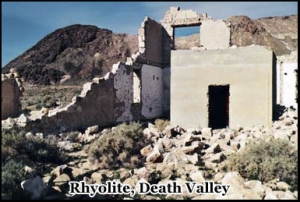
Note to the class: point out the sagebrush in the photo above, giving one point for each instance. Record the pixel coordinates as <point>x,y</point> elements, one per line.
<point>19,151</point>
<point>267,160</point>
<point>119,147</point>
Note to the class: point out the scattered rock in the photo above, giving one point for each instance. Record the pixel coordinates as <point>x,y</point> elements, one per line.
<point>36,187</point>
<point>92,130</point>
<point>146,150</point>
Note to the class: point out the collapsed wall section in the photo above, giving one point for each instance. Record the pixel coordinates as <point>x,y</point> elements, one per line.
<point>287,82</point>
<point>154,44</point>
<point>10,102</point>
<point>181,18</point>
<point>103,102</point>
<point>154,56</point>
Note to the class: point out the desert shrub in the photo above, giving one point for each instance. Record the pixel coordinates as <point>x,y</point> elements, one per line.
<point>18,151</point>
<point>161,124</point>
<point>119,147</point>
<point>12,175</point>
<point>37,149</point>
<point>266,160</point>
<point>71,136</point>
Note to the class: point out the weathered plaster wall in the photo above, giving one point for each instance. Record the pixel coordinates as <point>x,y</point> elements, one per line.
<point>166,91</point>
<point>152,91</point>
<point>154,42</point>
<point>215,34</point>
<point>249,72</point>
<point>10,103</point>
<point>123,84</point>
<point>286,84</point>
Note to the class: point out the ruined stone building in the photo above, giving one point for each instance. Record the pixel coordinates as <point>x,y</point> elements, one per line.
<point>213,85</point>
<point>11,89</point>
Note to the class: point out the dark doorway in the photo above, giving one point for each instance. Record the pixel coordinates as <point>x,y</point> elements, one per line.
<point>218,106</point>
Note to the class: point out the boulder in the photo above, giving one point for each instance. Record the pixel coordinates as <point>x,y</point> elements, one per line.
<point>97,177</point>
<point>143,173</point>
<point>206,133</point>
<point>195,147</point>
<point>167,143</point>
<point>167,131</point>
<point>92,130</point>
<point>197,177</point>
<point>69,146</point>
<point>270,196</point>
<point>146,150</point>
<point>256,186</point>
<point>282,134</point>
<point>36,187</point>
<point>22,120</point>
<point>282,185</point>
<point>194,159</point>
<point>213,149</point>
<point>218,177</point>
<point>154,156</point>
<point>151,133</point>
<point>62,179</point>
<point>233,179</point>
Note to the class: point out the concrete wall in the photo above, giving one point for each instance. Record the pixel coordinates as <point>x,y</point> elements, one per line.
<point>10,103</point>
<point>215,34</point>
<point>249,72</point>
<point>152,91</point>
<point>286,84</point>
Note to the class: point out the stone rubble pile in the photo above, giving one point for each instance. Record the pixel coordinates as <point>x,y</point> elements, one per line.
<point>179,155</point>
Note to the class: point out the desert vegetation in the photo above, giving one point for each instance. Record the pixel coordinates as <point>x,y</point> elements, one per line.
<point>119,147</point>
<point>25,156</point>
<point>35,98</point>
<point>266,160</point>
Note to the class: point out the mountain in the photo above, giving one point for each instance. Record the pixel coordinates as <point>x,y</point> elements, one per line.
<point>83,51</point>
<point>280,33</point>
<point>80,51</point>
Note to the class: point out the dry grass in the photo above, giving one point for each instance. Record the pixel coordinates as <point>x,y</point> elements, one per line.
<point>36,97</point>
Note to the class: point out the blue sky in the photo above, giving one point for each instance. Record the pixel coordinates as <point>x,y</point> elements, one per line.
<point>25,23</point>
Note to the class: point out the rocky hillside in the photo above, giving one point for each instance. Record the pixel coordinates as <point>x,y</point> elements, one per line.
<point>79,52</point>
<point>279,33</point>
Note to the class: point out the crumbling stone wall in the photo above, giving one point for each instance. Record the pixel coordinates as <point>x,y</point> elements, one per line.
<point>181,18</point>
<point>107,101</point>
<point>10,103</point>
<point>154,44</point>
<point>103,102</point>
<point>154,50</point>
<point>287,84</point>
<point>287,87</point>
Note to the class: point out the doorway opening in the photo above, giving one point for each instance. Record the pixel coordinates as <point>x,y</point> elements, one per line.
<point>218,106</point>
